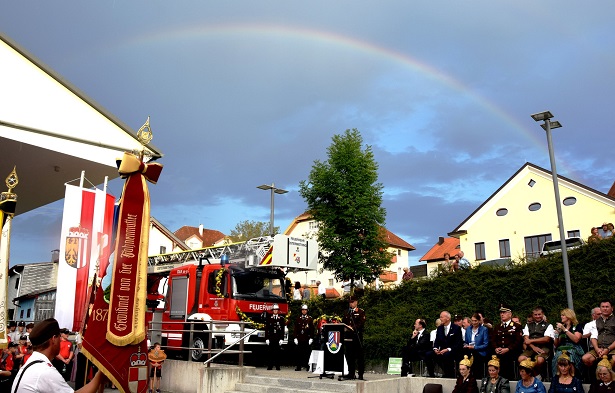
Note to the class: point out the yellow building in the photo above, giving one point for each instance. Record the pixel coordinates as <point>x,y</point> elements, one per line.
<point>521,215</point>
<point>305,226</point>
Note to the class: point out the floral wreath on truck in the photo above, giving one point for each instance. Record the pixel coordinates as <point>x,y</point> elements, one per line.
<point>254,324</point>
<point>218,286</point>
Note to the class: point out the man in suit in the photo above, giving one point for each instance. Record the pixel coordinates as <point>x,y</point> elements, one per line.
<point>506,340</point>
<point>446,347</point>
<point>417,348</point>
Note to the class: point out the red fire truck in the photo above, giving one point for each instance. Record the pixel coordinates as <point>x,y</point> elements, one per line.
<point>232,282</point>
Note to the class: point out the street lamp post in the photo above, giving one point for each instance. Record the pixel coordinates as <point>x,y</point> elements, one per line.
<point>275,190</point>
<point>547,126</point>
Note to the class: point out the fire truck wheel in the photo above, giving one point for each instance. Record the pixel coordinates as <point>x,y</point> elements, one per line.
<point>198,354</point>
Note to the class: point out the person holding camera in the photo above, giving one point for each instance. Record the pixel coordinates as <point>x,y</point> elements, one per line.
<point>568,338</point>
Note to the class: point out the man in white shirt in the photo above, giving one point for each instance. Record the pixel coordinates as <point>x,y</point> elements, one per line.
<point>38,374</point>
<point>590,327</point>
<point>322,291</point>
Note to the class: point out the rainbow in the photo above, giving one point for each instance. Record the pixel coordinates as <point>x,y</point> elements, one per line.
<point>350,43</point>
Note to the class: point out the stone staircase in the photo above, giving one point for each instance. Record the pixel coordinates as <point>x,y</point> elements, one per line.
<point>265,384</point>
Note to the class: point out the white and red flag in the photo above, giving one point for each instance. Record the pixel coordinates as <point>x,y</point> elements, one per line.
<point>87,225</point>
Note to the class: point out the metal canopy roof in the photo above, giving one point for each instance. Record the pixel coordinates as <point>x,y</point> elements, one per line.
<point>51,131</point>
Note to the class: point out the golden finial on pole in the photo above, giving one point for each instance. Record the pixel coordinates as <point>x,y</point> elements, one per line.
<point>11,182</point>
<point>144,135</point>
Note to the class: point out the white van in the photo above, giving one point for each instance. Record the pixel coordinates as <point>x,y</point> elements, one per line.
<point>553,246</point>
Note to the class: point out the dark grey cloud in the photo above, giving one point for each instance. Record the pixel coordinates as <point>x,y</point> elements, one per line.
<point>244,93</point>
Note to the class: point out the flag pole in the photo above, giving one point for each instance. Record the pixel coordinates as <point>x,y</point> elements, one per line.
<point>8,202</point>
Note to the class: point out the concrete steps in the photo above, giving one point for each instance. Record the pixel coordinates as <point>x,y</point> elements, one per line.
<point>263,384</point>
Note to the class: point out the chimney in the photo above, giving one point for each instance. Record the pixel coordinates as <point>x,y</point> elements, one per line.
<point>55,256</point>
<point>440,240</point>
<point>201,230</point>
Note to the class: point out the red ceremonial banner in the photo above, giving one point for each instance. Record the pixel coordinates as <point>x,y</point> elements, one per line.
<point>114,337</point>
<point>125,366</point>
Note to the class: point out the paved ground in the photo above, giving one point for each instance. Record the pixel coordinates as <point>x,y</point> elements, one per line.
<point>289,372</point>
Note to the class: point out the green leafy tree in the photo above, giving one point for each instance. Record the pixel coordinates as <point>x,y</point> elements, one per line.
<point>245,230</point>
<point>343,196</point>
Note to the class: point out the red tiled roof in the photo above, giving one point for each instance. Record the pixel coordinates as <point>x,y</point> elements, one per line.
<point>611,192</point>
<point>449,244</point>
<point>397,241</point>
<point>209,237</point>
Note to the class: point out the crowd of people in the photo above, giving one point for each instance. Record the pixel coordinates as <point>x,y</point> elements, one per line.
<point>47,344</point>
<point>485,356</point>
<point>606,231</point>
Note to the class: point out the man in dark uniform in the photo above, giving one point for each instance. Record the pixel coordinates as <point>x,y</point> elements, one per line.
<point>354,319</point>
<point>506,340</point>
<point>274,334</point>
<point>304,336</point>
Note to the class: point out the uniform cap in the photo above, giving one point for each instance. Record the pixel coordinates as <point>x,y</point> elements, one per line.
<point>275,307</point>
<point>352,299</point>
<point>25,338</point>
<point>505,308</point>
<point>21,323</point>
<point>12,324</point>
<point>304,307</point>
<point>44,330</point>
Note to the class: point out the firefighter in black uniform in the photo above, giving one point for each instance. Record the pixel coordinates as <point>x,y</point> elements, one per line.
<point>304,336</point>
<point>274,334</point>
<point>506,340</point>
<point>354,319</point>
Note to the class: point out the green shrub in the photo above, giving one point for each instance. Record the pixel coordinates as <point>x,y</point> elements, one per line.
<point>391,312</point>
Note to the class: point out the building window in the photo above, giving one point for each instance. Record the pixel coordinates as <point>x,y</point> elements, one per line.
<point>312,282</point>
<point>313,225</point>
<point>28,313</point>
<point>533,245</point>
<point>505,248</point>
<point>399,252</point>
<point>534,207</point>
<point>479,251</point>
<point>21,314</point>
<point>574,233</point>
<point>163,250</point>
<point>569,201</point>
<point>17,283</point>
<point>531,183</point>
<point>501,212</point>
<point>330,282</point>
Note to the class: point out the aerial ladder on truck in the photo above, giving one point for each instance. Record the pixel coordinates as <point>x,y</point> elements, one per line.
<point>229,282</point>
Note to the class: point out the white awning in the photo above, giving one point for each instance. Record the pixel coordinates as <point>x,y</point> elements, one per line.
<point>51,131</point>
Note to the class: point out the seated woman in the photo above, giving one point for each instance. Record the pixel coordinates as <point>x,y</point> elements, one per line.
<point>494,383</point>
<point>528,383</point>
<point>466,383</point>
<point>604,378</point>
<point>565,381</point>
<point>568,338</point>
<point>476,342</point>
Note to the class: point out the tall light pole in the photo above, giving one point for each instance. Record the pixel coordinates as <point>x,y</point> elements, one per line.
<point>275,190</point>
<point>547,126</point>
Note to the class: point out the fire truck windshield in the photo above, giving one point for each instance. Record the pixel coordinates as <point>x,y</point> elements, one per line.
<point>258,284</point>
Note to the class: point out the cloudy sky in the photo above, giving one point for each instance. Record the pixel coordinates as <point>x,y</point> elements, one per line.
<point>242,93</point>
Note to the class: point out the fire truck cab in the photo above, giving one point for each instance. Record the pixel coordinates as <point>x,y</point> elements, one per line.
<point>230,283</point>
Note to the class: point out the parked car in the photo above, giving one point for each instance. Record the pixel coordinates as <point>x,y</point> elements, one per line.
<point>553,246</point>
